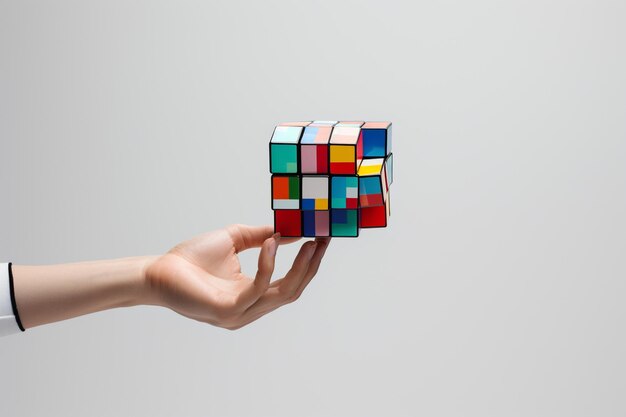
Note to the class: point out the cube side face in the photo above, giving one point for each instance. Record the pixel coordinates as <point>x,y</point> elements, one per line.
<point>371,191</point>
<point>373,217</point>
<point>344,223</point>
<point>286,192</point>
<point>283,158</point>
<point>344,192</point>
<point>374,143</point>
<point>389,169</point>
<point>288,223</point>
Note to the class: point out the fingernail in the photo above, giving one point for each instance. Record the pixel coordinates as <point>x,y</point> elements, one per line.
<point>272,248</point>
<point>312,250</point>
<point>276,237</point>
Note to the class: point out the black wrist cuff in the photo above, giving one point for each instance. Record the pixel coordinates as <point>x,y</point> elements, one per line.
<point>13,303</point>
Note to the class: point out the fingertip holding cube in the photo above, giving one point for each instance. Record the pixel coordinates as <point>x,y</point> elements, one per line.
<point>330,178</point>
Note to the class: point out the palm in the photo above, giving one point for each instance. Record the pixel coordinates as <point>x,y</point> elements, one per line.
<point>202,279</point>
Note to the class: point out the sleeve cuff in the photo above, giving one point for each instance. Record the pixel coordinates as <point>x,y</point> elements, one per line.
<point>9,318</point>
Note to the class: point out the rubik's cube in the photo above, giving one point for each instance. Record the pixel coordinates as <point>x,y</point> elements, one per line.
<point>330,178</point>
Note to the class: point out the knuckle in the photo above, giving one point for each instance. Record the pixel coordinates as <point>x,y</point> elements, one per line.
<point>293,297</point>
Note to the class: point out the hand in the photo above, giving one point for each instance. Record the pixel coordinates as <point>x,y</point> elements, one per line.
<point>202,279</point>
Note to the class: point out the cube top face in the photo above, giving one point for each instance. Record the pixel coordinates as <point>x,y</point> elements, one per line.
<point>376,125</point>
<point>297,124</point>
<point>316,135</point>
<point>345,135</point>
<point>330,178</point>
<point>351,123</point>
<point>371,167</point>
<point>324,123</point>
<point>287,134</point>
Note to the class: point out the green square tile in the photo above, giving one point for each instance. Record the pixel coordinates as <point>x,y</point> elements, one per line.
<point>284,159</point>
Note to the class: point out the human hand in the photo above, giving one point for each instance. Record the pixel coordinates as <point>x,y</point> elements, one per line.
<point>202,279</point>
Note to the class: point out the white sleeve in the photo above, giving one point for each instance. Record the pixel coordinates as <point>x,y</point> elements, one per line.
<point>8,321</point>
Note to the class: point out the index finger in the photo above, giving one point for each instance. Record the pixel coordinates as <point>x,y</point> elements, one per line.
<point>246,237</point>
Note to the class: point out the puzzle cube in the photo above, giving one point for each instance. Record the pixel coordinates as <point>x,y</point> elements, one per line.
<point>330,178</point>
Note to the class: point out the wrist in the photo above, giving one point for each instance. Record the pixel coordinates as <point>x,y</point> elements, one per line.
<point>142,290</point>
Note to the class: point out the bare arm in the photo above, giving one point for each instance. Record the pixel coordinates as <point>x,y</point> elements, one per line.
<point>200,278</point>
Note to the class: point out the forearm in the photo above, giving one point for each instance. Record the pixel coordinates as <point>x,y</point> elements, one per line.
<point>46,294</point>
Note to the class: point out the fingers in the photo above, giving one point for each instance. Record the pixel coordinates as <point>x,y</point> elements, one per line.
<point>246,237</point>
<point>267,260</point>
<point>316,260</point>
<point>290,288</point>
<point>297,273</point>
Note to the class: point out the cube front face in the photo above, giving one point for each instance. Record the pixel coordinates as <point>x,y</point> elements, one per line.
<point>316,223</point>
<point>314,159</point>
<point>330,178</point>
<point>314,192</point>
<point>285,192</point>
<point>283,159</point>
<point>344,223</point>
<point>288,222</point>
<point>344,192</point>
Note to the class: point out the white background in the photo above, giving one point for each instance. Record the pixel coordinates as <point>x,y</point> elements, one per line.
<point>498,289</point>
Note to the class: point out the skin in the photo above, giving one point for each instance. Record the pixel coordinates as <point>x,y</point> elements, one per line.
<point>200,278</point>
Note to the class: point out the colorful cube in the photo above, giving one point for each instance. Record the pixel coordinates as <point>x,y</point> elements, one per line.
<point>330,178</point>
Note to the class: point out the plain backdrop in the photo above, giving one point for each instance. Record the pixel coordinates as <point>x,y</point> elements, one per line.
<point>497,290</point>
